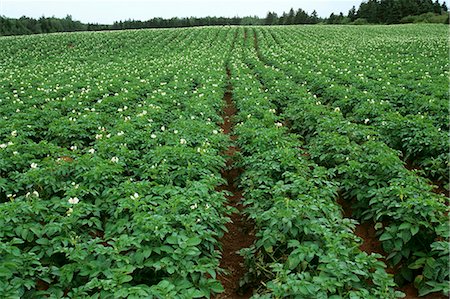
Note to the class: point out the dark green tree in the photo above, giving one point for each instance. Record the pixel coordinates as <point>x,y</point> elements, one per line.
<point>352,14</point>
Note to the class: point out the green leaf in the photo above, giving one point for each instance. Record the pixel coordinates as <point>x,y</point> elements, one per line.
<point>172,239</point>
<point>194,241</point>
<point>385,236</point>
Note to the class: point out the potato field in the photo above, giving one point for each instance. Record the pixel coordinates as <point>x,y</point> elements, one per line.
<point>226,162</point>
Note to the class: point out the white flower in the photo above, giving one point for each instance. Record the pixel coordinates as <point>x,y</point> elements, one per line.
<point>182,141</point>
<point>120,133</point>
<point>153,136</point>
<point>135,196</point>
<point>15,153</point>
<point>175,131</point>
<point>194,206</point>
<point>98,136</point>
<point>3,145</point>
<point>73,200</point>
<point>14,133</point>
<point>35,193</point>
<point>366,120</point>
<point>69,212</point>
<point>115,160</point>
<point>163,128</point>
<point>33,165</point>
<point>207,206</point>
<point>73,148</point>
<point>91,151</point>
<point>215,132</point>
<point>278,125</point>
<point>272,110</point>
<point>337,109</point>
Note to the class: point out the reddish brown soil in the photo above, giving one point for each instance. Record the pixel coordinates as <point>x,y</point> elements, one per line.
<point>365,231</point>
<point>371,244</point>
<point>240,231</point>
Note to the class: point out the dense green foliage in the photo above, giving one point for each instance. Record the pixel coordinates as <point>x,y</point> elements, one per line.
<point>344,105</point>
<point>393,11</point>
<point>109,164</point>
<point>111,154</point>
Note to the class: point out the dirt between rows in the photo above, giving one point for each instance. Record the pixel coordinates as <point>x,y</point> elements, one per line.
<point>241,231</point>
<point>371,244</point>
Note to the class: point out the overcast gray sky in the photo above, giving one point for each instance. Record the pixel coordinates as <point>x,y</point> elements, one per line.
<point>106,12</point>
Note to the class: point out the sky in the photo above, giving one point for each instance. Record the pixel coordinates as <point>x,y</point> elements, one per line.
<point>108,11</point>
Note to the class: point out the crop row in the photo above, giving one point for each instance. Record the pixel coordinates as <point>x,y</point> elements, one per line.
<point>410,219</point>
<point>421,134</point>
<point>117,198</point>
<point>304,248</point>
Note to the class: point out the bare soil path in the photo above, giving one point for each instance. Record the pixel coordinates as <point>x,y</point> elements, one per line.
<point>240,231</point>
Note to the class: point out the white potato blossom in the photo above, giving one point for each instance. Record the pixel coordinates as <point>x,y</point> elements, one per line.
<point>135,196</point>
<point>194,206</point>
<point>74,200</point>
<point>278,125</point>
<point>91,151</point>
<point>33,165</point>
<point>337,109</point>
<point>153,136</point>
<point>120,133</point>
<point>183,141</point>
<point>366,120</point>
<point>14,133</point>
<point>115,160</point>
<point>215,132</point>
<point>3,145</point>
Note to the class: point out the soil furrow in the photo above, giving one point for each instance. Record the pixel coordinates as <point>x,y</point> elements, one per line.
<point>240,230</point>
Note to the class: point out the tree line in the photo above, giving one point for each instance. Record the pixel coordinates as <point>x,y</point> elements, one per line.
<point>371,11</point>
<point>392,11</point>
